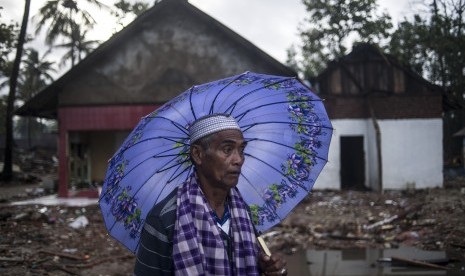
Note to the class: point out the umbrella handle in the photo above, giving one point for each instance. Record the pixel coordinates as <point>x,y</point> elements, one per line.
<point>265,248</point>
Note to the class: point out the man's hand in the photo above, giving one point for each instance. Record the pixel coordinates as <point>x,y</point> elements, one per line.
<point>272,265</point>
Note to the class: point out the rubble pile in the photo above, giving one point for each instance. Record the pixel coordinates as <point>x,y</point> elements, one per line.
<point>61,240</point>
<point>58,240</point>
<point>429,219</point>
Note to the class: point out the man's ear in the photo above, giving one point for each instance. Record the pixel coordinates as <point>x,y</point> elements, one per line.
<point>196,154</point>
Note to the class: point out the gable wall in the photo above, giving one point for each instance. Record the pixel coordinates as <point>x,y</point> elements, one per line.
<point>166,55</point>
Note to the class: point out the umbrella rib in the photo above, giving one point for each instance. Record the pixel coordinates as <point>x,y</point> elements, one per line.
<point>287,146</point>
<point>173,138</point>
<point>172,166</point>
<point>234,104</point>
<point>162,169</point>
<point>126,174</point>
<point>177,125</point>
<point>257,192</point>
<point>266,205</point>
<point>280,172</point>
<point>222,89</point>
<point>155,138</point>
<point>247,127</point>
<point>242,115</point>
<point>190,102</point>
<point>136,192</point>
<point>164,186</point>
<point>179,165</point>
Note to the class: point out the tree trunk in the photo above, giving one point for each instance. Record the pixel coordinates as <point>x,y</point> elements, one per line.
<point>378,144</point>
<point>7,173</point>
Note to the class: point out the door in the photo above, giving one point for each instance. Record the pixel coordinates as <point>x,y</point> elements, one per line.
<point>352,163</point>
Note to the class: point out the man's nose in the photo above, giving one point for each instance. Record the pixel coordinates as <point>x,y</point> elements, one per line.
<point>238,158</point>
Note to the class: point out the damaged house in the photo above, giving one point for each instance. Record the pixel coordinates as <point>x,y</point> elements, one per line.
<point>166,50</point>
<point>388,124</point>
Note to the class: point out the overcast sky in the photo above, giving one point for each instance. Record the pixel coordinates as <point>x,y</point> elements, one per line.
<point>272,25</point>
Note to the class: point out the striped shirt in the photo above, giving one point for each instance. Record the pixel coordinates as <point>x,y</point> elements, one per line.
<point>154,256</point>
<point>155,253</point>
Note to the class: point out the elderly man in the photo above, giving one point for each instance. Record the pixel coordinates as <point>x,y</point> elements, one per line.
<point>204,226</point>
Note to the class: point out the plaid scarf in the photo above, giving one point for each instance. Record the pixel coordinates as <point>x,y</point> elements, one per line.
<point>198,248</point>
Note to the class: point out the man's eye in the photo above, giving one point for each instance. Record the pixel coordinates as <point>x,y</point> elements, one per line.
<point>227,149</point>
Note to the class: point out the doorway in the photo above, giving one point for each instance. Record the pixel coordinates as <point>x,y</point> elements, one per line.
<point>352,163</point>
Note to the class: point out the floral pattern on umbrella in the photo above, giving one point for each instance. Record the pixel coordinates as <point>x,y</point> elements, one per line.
<point>297,167</point>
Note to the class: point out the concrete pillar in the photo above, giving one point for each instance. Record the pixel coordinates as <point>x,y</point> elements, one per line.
<point>63,161</point>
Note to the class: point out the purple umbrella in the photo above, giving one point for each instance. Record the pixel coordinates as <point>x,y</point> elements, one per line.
<point>288,134</point>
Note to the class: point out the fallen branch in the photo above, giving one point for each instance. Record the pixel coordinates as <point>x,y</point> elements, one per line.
<point>349,238</point>
<point>62,268</point>
<point>64,255</point>
<point>6,259</point>
<point>97,262</point>
<point>417,263</point>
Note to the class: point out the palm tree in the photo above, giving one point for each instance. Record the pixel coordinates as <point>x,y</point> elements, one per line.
<point>35,75</point>
<point>78,46</point>
<point>7,173</point>
<point>62,17</point>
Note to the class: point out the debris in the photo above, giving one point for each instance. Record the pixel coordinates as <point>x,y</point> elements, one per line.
<point>60,254</point>
<point>390,202</point>
<point>424,222</point>
<point>61,268</point>
<point>419,263</point>
<point>391,219</point>
<point>102,260</point>
<point>20,216</point>
<point>6,259</point>
<point>79,222</point>
<point>408,236</point>
<point>429,219</point>
<point>380,223</point>
<point>387,227</point>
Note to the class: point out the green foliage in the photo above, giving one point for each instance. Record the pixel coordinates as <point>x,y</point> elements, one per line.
<point>65,18</point>
<point>123,8</point>
<point>8,39</point>
<point>408,43</point>
<point>434,45</point>
<point>35,74</point>
<point>330,26</point>
<point>78,47</point>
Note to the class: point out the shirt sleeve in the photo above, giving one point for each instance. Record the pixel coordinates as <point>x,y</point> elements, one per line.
<point>154,256</point>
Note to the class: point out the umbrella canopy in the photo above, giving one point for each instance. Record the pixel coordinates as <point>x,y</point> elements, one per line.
<point>286,128</point>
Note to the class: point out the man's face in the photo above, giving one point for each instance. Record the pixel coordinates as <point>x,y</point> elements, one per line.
<point>221,163</point>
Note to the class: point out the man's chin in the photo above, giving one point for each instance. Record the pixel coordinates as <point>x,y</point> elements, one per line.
<point>233,182</point>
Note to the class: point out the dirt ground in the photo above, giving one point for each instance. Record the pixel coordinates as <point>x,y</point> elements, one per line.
<point>38,240</point>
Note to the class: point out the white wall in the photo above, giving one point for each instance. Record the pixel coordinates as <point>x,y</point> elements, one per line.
<point>411,149</point>
<point>412,152</point>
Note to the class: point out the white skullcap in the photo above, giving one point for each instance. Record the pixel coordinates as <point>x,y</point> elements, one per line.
<point>209,124</point>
